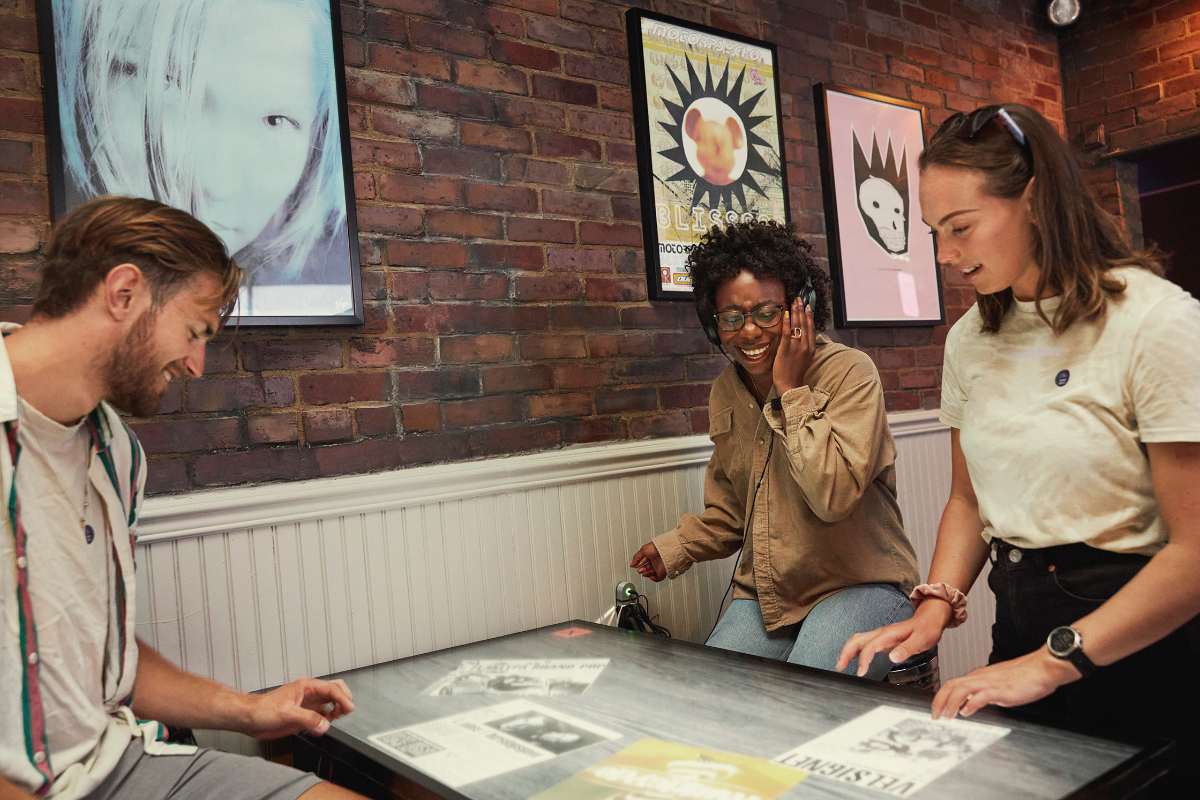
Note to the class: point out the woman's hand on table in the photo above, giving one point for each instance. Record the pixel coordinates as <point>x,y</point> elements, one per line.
<point>794,355</point>
<point>1008,683</point>
<point>649,563</point>
<point>902,639</point>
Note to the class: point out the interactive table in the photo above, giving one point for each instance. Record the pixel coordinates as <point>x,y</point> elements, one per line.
<point>703,697</point>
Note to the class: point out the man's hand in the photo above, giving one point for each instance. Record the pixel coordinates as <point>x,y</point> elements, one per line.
<point>649,563</point>
<point>307,706</point>
<point>1008,683</point>
<point>902,639</point>
<point>795,355</point>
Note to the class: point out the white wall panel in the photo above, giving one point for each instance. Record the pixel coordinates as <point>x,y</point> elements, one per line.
<point>258,586</point>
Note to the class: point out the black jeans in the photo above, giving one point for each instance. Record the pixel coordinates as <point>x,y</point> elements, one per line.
<point>1151,692</point>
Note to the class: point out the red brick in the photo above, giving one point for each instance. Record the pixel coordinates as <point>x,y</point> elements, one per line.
<point>400,61</point>
<point>501,198</point>
<point>439,36</point>
<point>684,343</point>
<point>457,102</point>
<point>1161,72</point>
<point>528,170</point>
<point>12,74</point>
<point>579,260</point>
<point>494,79</point>
<point>24,197</point>
<point>408,286</point>
<point>411,125</point>
<point>564,146</point>
<point>517,378</point>
<point>542,288</point>
<point>187,435</point>
<point>260,355</point>
<point>577,404</point>
<point>901,401</point>
<point>561,90</point>
<point>621,153</point>
<point>328,425</point>
<point>507,52</point>
<point>674,423</point>
<point>421,417</point>
<point>18,33</point>
<point>513,438</point>
<point>18,236</point>
<point>375,420</point>
<point>591,318</point>
<point>615,235</point>
<point>1165,108</point>
<point>391,352</point>
<point>273,428</point>
<point>1149,94</point>
<point>591,13</point>
<point>379,25</point>
<point>472,349</point>
<point>442,382</point>
<point>575,204</point>
<point>663,315</point>
<point>538,229</point>
<point>515,111</point>
<point>705,369</point>
<point>620,344</point>
<point>400,156</point>
<point>461,162</point>
<point>607,290</point>
<point>364,186</point>
<point>612,44</point>
<point>425,254</point>
<point>543,347</point>
<point>507,256</point>
<point>399,221</point>
<point>226,394</point>
<point>468,286</point>
<point>615,98</point>
<point>21,116</point>
<point>475,318</point>
<point>616,126</point>
<point>483,411</point>
<point>563,34</point>
<point>583,431</point>
<point>606,179</point>
<point>495,137</point>
<point>256,466</point>
<point>585,375</point>
<point>379,87</point>
<point>351,387</point>
<point>597,69</point>
<point>624,401</point>
<point>15,156</point>
<point>460,223</point>
<point>166,475</point>
<point>689,396</point>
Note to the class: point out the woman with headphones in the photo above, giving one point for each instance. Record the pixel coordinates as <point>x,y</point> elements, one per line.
<point>802,476</point>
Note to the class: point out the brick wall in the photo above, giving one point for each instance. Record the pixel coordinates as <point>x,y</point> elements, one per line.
<point>497,203</point>
<point>1132,69</point>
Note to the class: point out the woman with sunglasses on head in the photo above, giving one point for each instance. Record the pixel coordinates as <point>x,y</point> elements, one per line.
<point>1072,389</point>
<point>802,474</point>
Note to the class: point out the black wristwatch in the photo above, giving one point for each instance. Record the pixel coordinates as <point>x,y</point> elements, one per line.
<point>1065,642</point>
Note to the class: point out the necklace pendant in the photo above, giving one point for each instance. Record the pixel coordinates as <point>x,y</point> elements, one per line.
<point>89,533</point>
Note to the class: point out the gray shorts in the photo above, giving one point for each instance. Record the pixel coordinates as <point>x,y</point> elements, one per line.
<point>203,774</point>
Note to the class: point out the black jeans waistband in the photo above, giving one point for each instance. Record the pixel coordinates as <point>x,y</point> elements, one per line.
<point>1009,557</point>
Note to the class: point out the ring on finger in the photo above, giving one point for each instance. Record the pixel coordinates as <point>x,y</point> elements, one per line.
<point>797,333</point>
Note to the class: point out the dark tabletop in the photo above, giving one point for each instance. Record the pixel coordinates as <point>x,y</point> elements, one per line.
<point>681,692</point>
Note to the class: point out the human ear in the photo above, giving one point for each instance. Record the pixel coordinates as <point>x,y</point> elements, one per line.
<point>124,291</point>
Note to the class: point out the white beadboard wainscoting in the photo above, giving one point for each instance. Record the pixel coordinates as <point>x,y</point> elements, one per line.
<point>255,586</point>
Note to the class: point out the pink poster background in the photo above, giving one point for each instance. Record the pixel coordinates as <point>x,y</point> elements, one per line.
<point>879,286</point>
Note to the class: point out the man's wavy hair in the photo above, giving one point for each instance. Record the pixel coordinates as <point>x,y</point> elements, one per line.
<point>169,246</point>
<point>1076,242</point>
<point>765,250</point>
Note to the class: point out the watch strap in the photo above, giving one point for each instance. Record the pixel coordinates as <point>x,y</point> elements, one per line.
<point>1074,653</point>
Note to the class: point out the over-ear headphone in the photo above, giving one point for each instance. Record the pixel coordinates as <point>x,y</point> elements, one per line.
<point>708,320</point>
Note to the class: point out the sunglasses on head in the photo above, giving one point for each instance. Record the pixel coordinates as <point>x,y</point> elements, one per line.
<point>967,126</point>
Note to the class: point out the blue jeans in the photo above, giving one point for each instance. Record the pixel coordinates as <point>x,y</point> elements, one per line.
<point>818,640</point>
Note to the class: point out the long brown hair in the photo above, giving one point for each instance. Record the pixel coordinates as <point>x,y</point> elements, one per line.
<point>168,245</point>
<point>1076,243</point>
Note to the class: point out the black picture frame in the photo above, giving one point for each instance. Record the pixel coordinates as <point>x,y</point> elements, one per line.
<point>671,165</point>
<point>864,251</point>
<point>302,265</point>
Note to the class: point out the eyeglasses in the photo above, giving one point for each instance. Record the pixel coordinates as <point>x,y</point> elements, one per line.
<point>968,126</point>
<point>765,317</point>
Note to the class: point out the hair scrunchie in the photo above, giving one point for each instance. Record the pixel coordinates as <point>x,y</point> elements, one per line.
<point>942,591</point>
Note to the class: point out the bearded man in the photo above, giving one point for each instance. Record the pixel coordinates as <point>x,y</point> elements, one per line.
<point>131,292</point>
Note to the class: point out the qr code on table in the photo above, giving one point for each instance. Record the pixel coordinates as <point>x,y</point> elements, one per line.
<point>408,744</point>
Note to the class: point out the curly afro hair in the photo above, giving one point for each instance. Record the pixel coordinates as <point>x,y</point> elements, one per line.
<point>765,249</point>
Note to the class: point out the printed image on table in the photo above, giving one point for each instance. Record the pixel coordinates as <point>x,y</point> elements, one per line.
<point>539,676</point>
<point>549,733</point>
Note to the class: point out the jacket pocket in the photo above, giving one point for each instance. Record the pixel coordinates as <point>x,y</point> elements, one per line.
<point>721,422</point>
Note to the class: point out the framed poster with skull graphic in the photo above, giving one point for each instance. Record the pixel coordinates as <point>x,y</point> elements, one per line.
<point>881,256</point>
<point>709,138</point>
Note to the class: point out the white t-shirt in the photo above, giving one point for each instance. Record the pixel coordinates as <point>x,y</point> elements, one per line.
<point>1053,427</point>
<point>70,582</point>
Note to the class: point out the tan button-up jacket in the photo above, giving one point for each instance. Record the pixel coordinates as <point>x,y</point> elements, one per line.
<point>825,517</point>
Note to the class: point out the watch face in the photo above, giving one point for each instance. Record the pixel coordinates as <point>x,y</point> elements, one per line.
<point>1062,640</point>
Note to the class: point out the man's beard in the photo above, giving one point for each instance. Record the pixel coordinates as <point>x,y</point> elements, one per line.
<point>133,372</point>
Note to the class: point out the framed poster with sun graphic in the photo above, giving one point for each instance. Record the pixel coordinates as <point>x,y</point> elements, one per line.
<point>709,138</point>
<point>881,255</point>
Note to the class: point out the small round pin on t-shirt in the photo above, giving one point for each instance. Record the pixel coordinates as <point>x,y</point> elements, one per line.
<point>1062,377</point>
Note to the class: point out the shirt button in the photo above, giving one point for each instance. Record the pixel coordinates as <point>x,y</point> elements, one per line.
<point>22,562</point>
<point>33,659</point>
<point>750,406</point>
<point>39,757</point>
<point>762,441</point>
<point>1014,556</point>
